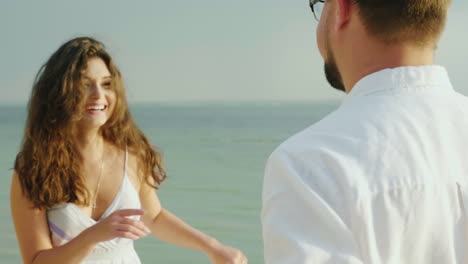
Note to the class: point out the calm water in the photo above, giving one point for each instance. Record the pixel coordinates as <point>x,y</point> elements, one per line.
<point>214,155</point>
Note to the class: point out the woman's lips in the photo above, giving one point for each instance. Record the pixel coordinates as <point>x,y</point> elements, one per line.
<point>95,108</point>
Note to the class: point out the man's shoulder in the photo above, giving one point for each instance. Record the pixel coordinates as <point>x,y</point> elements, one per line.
<point>348,136</point>
<point>343,124</point>
<point>322,157</point>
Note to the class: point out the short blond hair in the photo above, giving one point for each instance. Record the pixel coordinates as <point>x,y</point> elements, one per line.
<point>392,21</point>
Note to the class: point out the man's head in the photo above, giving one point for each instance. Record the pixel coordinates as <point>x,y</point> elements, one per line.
<point>375,27</point>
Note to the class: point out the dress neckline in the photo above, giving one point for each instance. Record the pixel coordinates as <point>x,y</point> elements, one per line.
<point>116,197</point>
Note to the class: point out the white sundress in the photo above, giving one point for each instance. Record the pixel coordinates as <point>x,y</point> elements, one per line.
<point>67,221</point>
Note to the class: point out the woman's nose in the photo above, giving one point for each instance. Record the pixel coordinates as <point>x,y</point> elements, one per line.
<point>95,90</point>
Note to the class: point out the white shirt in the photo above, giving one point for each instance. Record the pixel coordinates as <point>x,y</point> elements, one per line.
<point>383,179</point>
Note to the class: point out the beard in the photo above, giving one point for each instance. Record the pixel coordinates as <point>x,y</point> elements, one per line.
<point>332,72</point>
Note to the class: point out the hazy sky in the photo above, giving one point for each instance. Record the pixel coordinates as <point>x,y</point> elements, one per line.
<point>192,50</point>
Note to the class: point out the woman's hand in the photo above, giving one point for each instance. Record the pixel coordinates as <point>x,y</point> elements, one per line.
<point>222,254</point>
<point>119,225</point>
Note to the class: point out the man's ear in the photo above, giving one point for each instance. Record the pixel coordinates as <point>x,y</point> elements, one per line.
<point>343,13</point>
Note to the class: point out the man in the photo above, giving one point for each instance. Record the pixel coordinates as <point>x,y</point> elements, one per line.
<point>384,178</point>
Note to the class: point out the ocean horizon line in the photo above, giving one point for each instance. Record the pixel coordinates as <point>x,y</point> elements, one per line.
<point>204,102</point>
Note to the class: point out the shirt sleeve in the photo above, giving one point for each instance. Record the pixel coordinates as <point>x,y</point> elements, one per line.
<point>300,223</point>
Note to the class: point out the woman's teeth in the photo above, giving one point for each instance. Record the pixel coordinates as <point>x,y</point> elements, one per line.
<point>96,107</point>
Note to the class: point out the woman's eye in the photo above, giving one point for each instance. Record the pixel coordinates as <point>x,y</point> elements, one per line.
<point>106,84</point>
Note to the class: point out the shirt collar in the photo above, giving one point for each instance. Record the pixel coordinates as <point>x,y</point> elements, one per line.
<point>397,80</point>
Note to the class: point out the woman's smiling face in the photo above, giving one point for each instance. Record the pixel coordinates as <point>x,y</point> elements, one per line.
<point>100,95</point>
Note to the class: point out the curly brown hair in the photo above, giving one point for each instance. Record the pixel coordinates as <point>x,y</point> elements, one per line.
<point>48,164</point>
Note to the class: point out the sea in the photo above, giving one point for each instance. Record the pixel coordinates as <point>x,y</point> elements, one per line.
<point>214,154</point>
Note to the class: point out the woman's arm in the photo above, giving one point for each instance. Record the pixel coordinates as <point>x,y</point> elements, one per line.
<point>169,228</point>
<point>33,232</point>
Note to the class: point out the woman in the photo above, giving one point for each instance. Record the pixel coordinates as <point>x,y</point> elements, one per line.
<point>83,187</point>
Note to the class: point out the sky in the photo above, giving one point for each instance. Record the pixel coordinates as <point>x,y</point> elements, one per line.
<point>182,51</point>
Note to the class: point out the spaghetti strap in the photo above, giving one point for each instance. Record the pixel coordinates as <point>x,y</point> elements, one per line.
<point>126,161</point>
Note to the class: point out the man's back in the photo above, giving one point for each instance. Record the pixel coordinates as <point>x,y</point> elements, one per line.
<point>384,179</point>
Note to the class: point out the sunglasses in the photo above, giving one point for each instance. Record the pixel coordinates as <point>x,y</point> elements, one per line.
<point>316,6</point>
